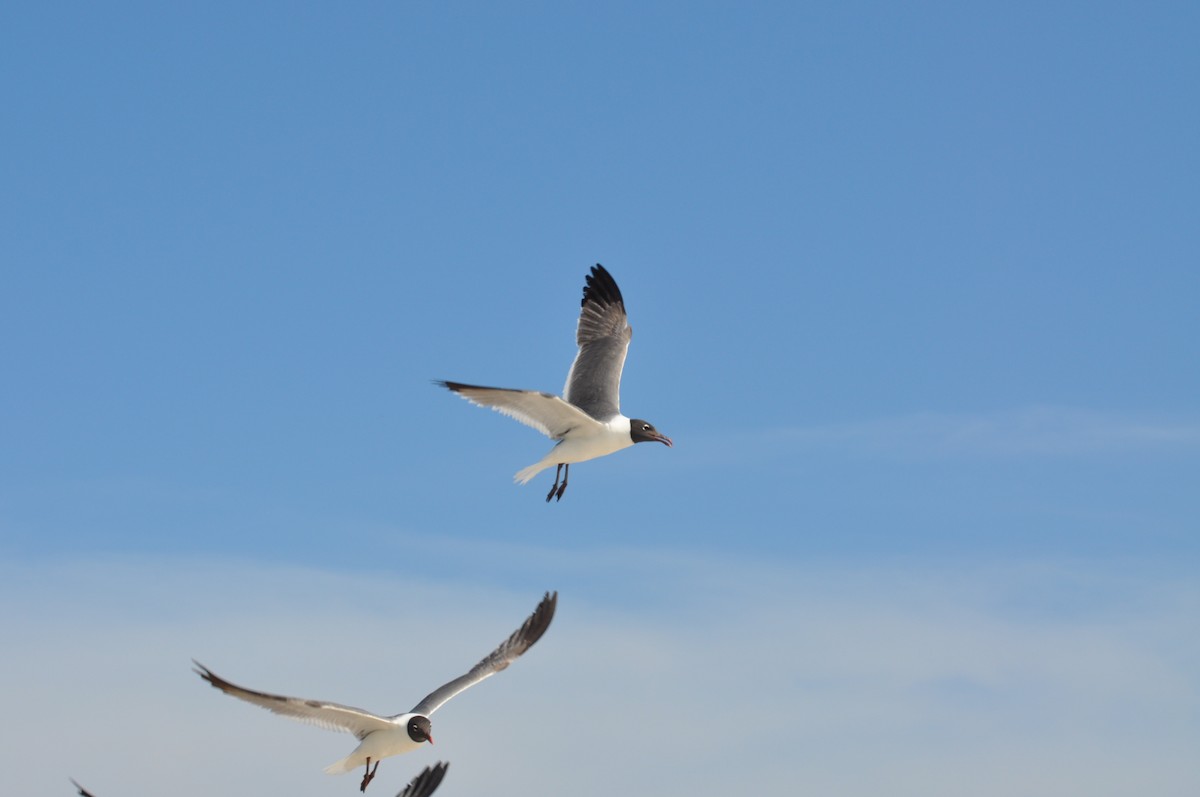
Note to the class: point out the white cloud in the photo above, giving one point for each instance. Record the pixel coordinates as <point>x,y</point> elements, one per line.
<point>722,677</point>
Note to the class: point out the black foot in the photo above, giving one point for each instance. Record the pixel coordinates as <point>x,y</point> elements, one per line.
<point>556,491</point>
<point>562,488</point>
<point>369,775</point>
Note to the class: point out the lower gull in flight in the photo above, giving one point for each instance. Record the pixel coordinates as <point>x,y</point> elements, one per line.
<point>381,736</point>
<point>427,782</point>
<point>587,420</point>
<point>422,785</point>
<point>82,791</point>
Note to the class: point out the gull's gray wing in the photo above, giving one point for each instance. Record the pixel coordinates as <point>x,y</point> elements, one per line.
<point>330,716</point>
<point>82,791</point>
<point>521,640</point>
<point>594,381</point>
<point>427,782</point>
<point>549,414</point>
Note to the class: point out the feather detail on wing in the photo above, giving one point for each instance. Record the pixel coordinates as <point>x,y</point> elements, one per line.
<point>82,791</point>
<point>330,716</point>
<point>549,414</point>
<point>509,651</point>
<point>603,335</point>
<point>427,782</point>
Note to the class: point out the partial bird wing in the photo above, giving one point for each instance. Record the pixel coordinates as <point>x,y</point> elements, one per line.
<point>521,640</point>
<point>82,791</point>
<point>427,782</point>
<point>330,716</point>
<point>603,334</point>
<point>549,414</point>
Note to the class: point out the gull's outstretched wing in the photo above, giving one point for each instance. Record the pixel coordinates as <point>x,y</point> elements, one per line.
<point>330,716</point>
<point>549,414</point>
<point>82,791</point>
<point>427,782</point>
<point>521,640</point>
<point>594,381</point>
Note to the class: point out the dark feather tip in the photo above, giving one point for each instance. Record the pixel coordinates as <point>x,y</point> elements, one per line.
<point>427,782</point>
<point>82,791</point>
<point>601,288</point>
<point>539,621</point>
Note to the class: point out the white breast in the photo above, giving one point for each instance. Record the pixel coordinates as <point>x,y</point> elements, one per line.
<point>600,440</point>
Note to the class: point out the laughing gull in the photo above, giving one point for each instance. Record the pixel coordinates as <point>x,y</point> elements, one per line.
<point>422,785</point>
<point>587,420</point>
<point>381,736</point>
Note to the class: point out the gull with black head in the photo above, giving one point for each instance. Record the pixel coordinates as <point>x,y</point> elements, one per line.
<point>586,421</point>
<point>423,785</point>
<point>382,736</point>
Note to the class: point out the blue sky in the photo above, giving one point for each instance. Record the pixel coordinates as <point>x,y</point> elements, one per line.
<point>913,290</point>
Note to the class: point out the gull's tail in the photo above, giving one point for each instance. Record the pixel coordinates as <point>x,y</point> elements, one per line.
<point>348,763</point>
<point>525,474</point>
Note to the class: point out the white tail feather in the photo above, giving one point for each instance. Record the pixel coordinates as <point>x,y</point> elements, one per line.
<point>525,474</point>
<point>345,765</point>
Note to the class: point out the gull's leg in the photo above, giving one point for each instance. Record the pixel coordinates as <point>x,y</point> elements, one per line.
<point>554,486</point>
<point>562,488</point>
<point>369,775</point>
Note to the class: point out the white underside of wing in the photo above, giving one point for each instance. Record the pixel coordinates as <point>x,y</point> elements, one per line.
<point>331,716</point>
<point>499,659</point>
<point>550,415</point>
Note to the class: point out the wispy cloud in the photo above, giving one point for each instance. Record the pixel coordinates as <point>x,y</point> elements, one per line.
<point>760,677</point>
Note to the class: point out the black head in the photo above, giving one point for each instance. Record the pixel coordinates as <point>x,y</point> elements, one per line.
<point>644,432</point>
<point>419,729</point>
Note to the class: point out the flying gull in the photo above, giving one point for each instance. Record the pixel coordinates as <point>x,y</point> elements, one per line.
<point>586,421</point>
<point>381,736</point>
<point>422,785</point>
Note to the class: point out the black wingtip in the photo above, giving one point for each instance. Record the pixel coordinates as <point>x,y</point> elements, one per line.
<point>216,681</point>
<point>427,782</point>
<point>601,288</point>
<point>84,792</point>
<point>459,387</point>
<point>539,621</point>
